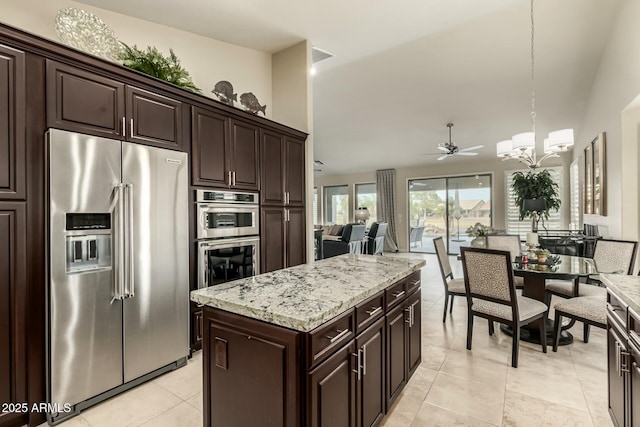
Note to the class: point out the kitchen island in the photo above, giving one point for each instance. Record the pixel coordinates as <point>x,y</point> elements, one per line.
<point>331,343</point>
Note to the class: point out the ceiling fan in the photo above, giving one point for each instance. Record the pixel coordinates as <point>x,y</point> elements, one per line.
<point>451,149</point>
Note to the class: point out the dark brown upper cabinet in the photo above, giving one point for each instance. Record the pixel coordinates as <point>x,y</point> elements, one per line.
<point>224,151</point>
<point>12,124</point>
<point>283,173</point>
<point>81,101</point>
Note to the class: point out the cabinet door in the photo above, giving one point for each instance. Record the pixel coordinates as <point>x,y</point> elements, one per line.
<point>12,124</point>
<point>414,333</point>
<point>634,388</point>
<point>245,154</point>
<point>617,383</point>
<point>272,159</point>
<point>396,353</point>
<point>84,102</point>
<point>296,237</point>
<point>332,391</point>
<point>272,235</point>
<point>295,176</point>
<point>209,148</point>
<point>153,119</point>
<point>13,284</point>
<point>370,399</point>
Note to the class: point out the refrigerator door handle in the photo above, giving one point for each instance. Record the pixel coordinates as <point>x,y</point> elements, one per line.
<point>118,280</point>
<point>130,286</point>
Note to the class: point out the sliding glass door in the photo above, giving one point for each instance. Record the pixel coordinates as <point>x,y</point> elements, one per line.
<point>446,207</point>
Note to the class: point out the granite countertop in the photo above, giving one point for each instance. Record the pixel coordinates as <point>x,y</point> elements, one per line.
<point>626,287</point>
<point>306,296</point>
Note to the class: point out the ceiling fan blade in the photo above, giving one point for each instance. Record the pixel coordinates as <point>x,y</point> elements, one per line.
<point>477,147</point>
<point>443,157</point>
<point>431,154</point>
<point>466,154</point>
<point>443,148</point>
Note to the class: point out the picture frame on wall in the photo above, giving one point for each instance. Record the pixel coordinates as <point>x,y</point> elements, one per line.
<point>598,150</point>
<point>588,180</point>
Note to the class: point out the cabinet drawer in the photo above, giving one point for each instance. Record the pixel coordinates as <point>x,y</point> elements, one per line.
<point>617,310</point>
<point>325,339</point>
<point>396,293</point>
<point>413,282</point>
<point>369,311</point>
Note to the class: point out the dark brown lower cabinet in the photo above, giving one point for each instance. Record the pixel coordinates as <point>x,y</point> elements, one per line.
<point>414,335</point>
<point>331,391</point>
<point>370,398</point>
<point>616,345</point>
<point>396,353</point>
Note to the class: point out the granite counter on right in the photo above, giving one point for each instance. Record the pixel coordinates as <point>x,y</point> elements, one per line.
<point>623,348</point>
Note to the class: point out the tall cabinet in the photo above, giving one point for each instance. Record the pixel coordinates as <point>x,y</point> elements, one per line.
<point>13,234</point>
<point>282,196</point>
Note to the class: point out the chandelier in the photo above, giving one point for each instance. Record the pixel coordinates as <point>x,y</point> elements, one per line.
<point>522,147</point>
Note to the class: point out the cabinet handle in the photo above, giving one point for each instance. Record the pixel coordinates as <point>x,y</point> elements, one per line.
<point>415,283</point>
<point>398,294</point>
<point>338,336</point>
<point>413,313</point>
<point>131,128</point>
<point>373,311</point>
<point>357,370</point>
<point>288,197</point>
<point>618,359</point>
<point>364,360</point>
<point>635,367</point>
<point>199,305</point>
<point>229,177</point>
<point>624,364</point>
<point>408,310</point>
<point>233,175</point>
<point>124,127</point>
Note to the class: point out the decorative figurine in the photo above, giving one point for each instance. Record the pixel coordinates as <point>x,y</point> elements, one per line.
<point>251,103</point>
<point>224,91</point>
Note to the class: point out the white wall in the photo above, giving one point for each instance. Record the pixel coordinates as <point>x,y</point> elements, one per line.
<point>207,60</point>
<point>451,168</point>
<point>616,85</point>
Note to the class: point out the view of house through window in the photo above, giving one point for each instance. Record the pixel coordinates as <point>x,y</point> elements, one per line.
<point>366,198</point>
<point>336,204</point>
<point>447,207</point>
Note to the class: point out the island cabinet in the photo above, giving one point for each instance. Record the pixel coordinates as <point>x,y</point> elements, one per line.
<point>86,102</point>
<point>334,375</point>
<point>225,151</point>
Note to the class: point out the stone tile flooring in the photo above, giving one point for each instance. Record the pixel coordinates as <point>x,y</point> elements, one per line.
<point>452,387</point>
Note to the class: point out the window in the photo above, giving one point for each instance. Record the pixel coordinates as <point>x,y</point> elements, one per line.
<point>315,206</point>
<point>366,197</point>
<point>336,204</point>
<point>514,225</point>
<point>574,178</point>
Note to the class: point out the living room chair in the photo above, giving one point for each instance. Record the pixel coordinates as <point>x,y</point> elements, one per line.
<point>452,287</point>
<point>375,239</point>
<point>507,242</point>
<point>491,294</point>
<point>588,310</point>
<point>351,241</point>
<point>415,236</point>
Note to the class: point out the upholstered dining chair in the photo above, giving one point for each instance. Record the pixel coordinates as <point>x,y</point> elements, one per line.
<point>491,294</point>
<point>375,239</point>
<point>614,256</point>
<point>591,311</point>
<point>452,287</point>
<point>507,242</point>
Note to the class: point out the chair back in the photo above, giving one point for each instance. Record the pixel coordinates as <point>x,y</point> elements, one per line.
<point>488,275</point>
<point>505,242</point>
<point>376,238</point>
<point>443,258</point>
<point>615,256</point>
<point>416,235</point>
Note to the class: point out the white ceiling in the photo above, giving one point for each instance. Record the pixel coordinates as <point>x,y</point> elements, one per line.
<point>403,69</point>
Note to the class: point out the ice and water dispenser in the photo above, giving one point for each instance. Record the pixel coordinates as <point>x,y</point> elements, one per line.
<point>88,242</point>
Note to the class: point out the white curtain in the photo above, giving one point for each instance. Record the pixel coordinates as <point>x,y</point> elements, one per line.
<point>386,206</point>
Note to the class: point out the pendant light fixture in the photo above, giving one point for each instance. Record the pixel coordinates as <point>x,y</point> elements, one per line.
<point>522,147</point>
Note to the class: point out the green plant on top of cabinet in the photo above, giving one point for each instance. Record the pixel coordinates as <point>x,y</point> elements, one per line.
<point>224,151</point>
<point>84,102</point>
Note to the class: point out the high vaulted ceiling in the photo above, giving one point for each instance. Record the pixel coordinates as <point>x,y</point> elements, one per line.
<point>403,69</point>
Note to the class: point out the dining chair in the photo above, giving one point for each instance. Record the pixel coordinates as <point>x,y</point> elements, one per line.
<point>375,238</point>
<point>588,310</point>
<point>491,294</point>
<point>614,256</point>
<point>453,287</point>
<point>507,242</point>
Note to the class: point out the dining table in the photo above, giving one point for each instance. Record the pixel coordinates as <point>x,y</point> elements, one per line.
<point>535,275</point>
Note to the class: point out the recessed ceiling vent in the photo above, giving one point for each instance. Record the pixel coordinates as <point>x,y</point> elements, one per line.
<point>318,55</point>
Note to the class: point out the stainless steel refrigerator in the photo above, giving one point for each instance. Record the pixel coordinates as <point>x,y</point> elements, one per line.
<point>118,304</point>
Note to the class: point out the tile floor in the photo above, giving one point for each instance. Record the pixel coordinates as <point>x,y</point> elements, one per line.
<point>452,387</point>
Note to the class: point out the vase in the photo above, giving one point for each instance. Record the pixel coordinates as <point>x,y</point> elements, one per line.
<point>479,242</point>
<point>542,259</point>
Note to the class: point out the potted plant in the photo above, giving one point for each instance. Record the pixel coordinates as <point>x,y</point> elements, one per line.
<point>542,255</point>
<point>479,232</point>
<point>535,185</point>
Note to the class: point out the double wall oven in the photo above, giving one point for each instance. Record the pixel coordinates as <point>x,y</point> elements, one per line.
<point>227,236</point>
